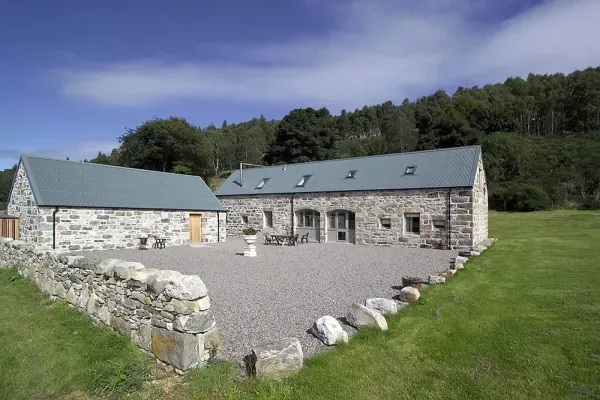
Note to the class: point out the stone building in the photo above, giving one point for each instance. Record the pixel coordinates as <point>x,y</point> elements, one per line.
<point>416,199</point>
<point>83,206</point>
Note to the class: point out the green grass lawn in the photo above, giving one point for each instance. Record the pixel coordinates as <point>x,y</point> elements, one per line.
<point>50,351</point>
<point>521,321</point>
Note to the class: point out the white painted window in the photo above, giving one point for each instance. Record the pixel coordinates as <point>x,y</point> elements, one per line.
<point>267,219</point>
<point>412,223</point>
<point>385,223</point>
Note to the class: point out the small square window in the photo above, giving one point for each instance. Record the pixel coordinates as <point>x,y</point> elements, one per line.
<point>303,181</point>
<point>262,183</point>
<point>439,224</point>
<point>245,219</point>
<point>412,223</point>
<point>268,219</point>
<point>341,236</point>
<point>351,174</point>
<point>385,223</point>
<point>410,170</point>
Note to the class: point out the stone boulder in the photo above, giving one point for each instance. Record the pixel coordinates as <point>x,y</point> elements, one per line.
<point>436,279</point>
<point>276,360</point>
<point>384,306</point>
<point>409,294</point>
<point>194,323</point>
<point>475,253</point>
<point>177,285</point>
<point>107,267</point>
<point>361,316</point>
<point>461,260</point>
<point>126,269</point>
<point>175,348</point>
<point>449,273</point>
<point>329,331</point>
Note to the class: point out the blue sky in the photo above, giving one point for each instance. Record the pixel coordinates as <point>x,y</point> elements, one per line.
<point>75,73</point>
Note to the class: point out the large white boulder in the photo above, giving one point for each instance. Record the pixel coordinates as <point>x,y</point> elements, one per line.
<point>361,316</point>
<point>276,360</point>
<point>177,285</point>
<point>328,330</point>
<point>384,306</point>
<point>126,269</point>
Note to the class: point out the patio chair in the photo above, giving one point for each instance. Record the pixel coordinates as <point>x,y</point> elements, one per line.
<point>304,238</point>
<point>268,238</point>
<point>294,240</point>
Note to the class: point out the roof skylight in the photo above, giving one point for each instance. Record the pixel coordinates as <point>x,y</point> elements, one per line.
<point>351,174</point>
<point>303,181</point>
<point>262,183</point>
<point>240,184</point>
<point>410,170</point>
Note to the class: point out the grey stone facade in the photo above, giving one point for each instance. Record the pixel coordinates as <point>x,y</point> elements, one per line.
<point>100,229</point>
<point>468,213</point>
<point>164,312</point>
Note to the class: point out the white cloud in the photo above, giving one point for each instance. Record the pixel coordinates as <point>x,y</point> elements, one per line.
<point>75,152</point>
<point>379,51</point>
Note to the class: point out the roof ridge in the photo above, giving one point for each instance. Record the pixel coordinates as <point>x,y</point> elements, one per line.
<point>365,157</point>
<point>27,156</point>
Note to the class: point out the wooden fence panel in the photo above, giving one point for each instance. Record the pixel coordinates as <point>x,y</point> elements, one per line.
<point>9,228</point>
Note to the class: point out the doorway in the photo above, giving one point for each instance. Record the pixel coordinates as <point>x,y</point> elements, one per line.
<point>341,226</point>
<point>195,228</point>
<point>309,221</point>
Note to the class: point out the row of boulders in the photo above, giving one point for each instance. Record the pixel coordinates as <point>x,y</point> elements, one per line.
<point>284,358</point>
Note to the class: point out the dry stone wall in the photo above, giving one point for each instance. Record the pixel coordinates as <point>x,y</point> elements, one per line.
<point>102,229</point>
<point>369,208</point>
<point>163,312</point>
<point>480,206</point>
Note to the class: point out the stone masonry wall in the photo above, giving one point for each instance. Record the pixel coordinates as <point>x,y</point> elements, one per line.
<point>369,207</point>
<point>22,204</point>
<point>480,205</point>
<point>163,312</point>
<point>100,229</point>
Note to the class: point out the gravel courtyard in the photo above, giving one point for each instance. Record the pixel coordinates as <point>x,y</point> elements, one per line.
<point>284,290</point>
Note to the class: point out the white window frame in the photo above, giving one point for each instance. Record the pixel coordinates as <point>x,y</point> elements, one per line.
<point>382,224</point>
<point>408,225</point>
<point>266,218</point>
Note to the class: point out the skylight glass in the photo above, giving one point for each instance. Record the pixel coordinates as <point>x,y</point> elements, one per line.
<point>303,181</point>
<point>240,184</point>
<point>410,170</point>
<point>262,183</point>
<point>351,174</point>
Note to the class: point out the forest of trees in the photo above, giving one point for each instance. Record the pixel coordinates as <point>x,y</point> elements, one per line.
<point>540,138</point>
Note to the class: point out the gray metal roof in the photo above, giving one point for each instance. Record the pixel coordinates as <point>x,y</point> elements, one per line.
<point>6,216</point>
<point>444,168</point>
<point>76,184</point>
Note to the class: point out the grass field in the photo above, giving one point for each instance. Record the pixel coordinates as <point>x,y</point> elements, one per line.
<point>521,321</point>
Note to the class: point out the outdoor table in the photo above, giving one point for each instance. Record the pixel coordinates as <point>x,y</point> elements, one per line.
<point>282,239</point>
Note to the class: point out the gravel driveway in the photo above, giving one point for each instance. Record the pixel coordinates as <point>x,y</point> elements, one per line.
<point>284,290</point>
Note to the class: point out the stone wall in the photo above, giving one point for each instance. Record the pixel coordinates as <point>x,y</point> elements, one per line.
<point>163,312</point>
<point>101,229</point>
<point>369,208</point>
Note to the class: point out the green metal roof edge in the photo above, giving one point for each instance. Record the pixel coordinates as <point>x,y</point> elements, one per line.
<point>31,180</point>
<point>24,159</point>
<point>475,163</point>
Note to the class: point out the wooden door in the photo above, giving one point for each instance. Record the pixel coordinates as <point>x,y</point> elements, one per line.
<point>195,228</point>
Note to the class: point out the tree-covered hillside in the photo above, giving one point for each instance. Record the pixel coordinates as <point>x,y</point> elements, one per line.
<point>539,136</point>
